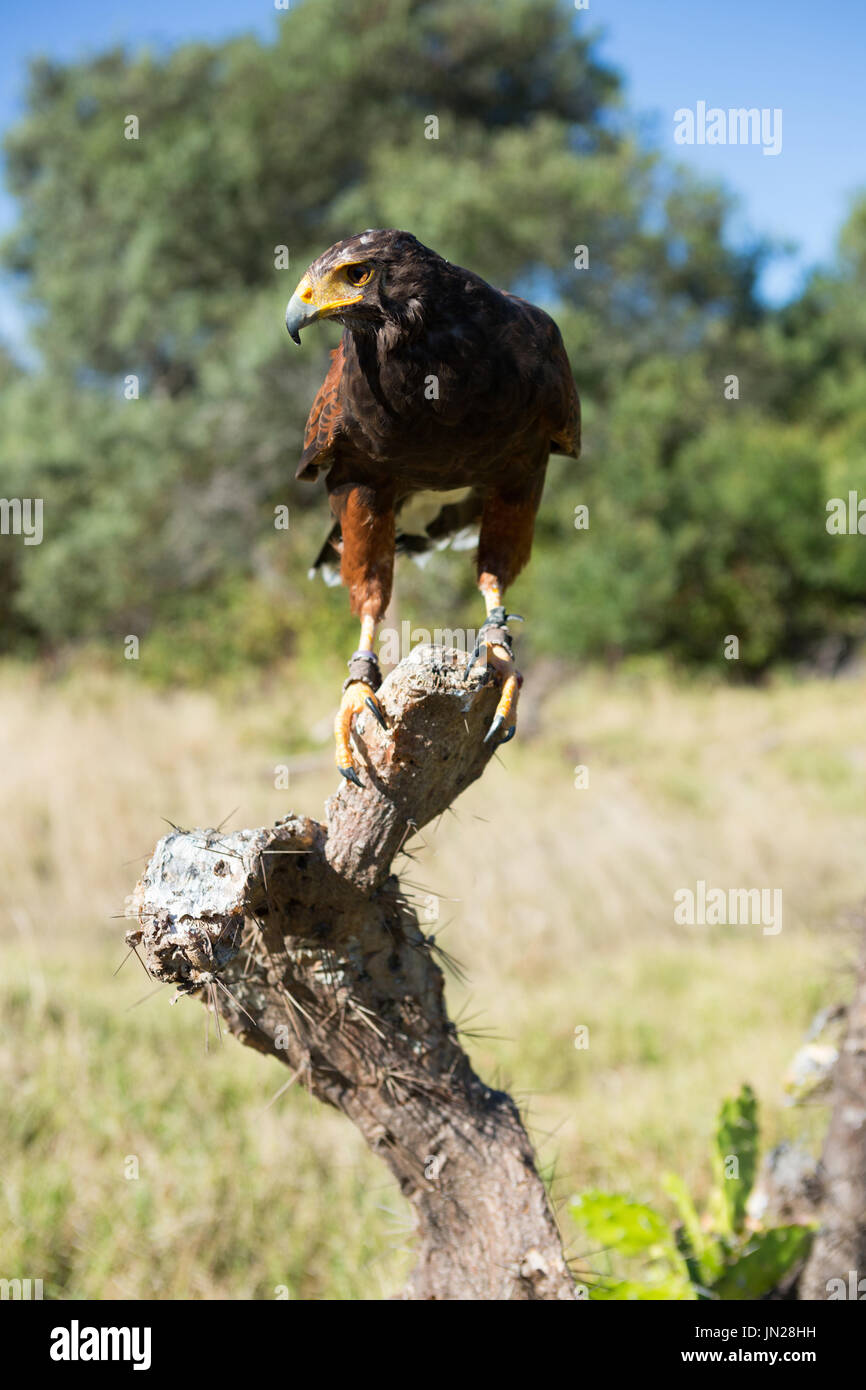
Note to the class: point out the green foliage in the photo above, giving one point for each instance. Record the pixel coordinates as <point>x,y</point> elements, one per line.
<point>633,1229</point>
<point>716,1255</point>
<point>767,1256</point>
<point>735,1158</point>
<point>155,257</point>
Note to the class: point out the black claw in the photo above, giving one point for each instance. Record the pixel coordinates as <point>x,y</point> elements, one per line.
<point>509,736</point>
<point>351,776</point>
<point>474,657</point>
<point>376,713</point>
<point>494,728</point>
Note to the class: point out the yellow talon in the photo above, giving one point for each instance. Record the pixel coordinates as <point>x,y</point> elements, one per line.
<point>356,697</point>
<point>501,660</point>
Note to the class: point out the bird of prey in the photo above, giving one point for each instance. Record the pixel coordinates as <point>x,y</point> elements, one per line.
<point>441,383</point>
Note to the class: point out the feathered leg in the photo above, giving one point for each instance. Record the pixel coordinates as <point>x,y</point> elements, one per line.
<point>504,545</point>
<point>366,569</point>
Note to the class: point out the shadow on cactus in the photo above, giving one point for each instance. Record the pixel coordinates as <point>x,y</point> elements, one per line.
<point>720,1253</point>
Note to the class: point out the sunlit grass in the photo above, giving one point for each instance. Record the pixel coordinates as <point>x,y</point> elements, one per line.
<point>136,1165</point>
<point>558,902</point>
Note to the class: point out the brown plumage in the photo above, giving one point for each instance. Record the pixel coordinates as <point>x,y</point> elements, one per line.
<point>440,383</point>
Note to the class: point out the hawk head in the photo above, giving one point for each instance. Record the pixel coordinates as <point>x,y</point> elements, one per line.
<point>366,281</point>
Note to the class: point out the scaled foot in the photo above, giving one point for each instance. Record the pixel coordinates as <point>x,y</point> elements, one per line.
<point>494,649</point>
<point>359,692</point>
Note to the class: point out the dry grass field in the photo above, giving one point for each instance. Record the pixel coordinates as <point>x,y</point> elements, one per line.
<point>557,901</point>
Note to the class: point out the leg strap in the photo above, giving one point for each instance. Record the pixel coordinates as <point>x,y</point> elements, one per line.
<point>494,629</point>
<point>363,666</point>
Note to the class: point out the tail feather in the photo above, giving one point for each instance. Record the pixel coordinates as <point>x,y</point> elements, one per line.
<point>455,525</point>
<point>327,562</point>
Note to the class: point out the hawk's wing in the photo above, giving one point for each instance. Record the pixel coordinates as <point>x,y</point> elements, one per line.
<point>323,425</point>
<point>561,395</point>
<point>566,438</point>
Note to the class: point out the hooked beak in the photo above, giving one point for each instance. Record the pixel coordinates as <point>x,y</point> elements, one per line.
<point>316,300</point>
<point>301,311</point>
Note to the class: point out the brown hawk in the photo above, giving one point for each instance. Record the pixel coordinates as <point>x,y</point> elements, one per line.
<point>440,383</point>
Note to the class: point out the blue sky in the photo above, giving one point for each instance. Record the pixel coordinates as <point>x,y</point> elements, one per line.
<point>791,54</point>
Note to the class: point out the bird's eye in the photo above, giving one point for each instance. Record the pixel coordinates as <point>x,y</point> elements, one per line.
<point>358,274</point>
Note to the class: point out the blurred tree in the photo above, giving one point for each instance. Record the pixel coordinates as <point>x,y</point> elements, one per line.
<point>157,258</point>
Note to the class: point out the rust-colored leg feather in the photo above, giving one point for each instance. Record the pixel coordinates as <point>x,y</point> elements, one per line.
<point>367,570</point>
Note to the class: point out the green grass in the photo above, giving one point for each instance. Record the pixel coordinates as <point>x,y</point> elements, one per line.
<point>558,903</point>
<point>136,1165</point>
